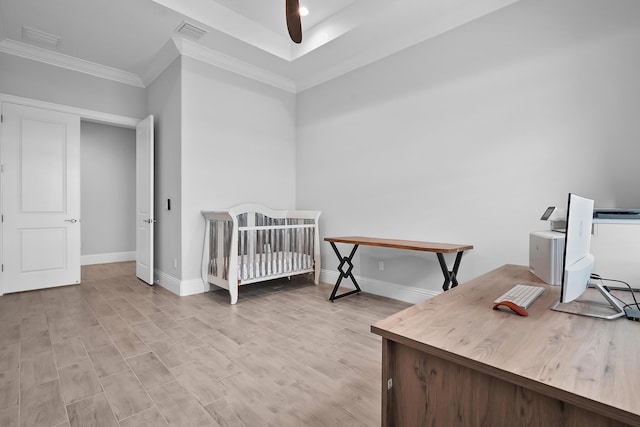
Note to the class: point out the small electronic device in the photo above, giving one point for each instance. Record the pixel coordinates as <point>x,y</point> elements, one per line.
<point>546,249</point>
<point>557,223</point>
<point>578,262</point>
<point>632,313</point>
<point>519,298</point>
<point>547,214</point>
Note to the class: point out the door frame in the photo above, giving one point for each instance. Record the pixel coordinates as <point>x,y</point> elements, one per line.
<point>84,113</point>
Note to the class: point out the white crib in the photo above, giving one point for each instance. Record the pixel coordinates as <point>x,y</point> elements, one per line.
<point>267,244</point>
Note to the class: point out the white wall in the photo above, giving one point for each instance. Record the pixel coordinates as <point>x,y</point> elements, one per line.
<point>238,146</point>
<point>468,137</point>
<point>108,176</point>
<point>164,102</point>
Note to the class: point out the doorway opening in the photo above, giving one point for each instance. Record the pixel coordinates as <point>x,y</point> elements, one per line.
<point>108,193</point>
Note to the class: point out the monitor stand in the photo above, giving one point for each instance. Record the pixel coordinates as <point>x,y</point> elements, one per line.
<point>612,309</point>
<point>623,288</point>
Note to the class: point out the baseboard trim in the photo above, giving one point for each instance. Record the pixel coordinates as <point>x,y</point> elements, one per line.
<point>177,286</point>
<point>107,258</point>
<point>409,294</point>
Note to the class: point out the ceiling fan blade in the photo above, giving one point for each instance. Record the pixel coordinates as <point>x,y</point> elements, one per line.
<point>293,20</point>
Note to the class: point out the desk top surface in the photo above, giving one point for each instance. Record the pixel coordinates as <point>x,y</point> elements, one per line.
<point>401,244</point>
<point>589,362</point>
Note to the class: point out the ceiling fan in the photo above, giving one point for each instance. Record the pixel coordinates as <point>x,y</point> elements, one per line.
<point>293,20</point>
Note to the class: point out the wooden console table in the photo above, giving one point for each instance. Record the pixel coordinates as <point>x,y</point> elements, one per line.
<point>356,241</point>
<point>454,361</point>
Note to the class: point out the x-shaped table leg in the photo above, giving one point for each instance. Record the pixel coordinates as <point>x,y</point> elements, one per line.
<point>344,274</point>
<point>449,276</point>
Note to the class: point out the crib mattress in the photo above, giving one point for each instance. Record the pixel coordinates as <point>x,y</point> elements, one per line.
<point>272,263</point>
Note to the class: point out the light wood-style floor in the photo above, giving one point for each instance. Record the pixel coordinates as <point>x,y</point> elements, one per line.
<point>114,351</point>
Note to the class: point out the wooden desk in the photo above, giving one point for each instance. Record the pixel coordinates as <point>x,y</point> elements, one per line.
<point>453,361</point>
<point>356,241</point>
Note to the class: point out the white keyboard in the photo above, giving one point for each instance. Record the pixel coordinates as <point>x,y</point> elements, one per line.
<point>522,295</point>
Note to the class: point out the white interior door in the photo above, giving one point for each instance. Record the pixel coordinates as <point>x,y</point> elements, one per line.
<point>40,154</point>
<point>144,200</point>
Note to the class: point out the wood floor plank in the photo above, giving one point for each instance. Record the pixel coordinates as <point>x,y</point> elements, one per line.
<point>225,345</point>
<point>148,332</point>
<point>33,345</point>
<point>150,370</point>
<point>9,388</point>
<point>107,360</point>
<point>125,394</point>
<point>91,412</point>
<point>195,326</point>
<point>178,407</point>
<point>170,353</point>
<point>129,344</point>
<point>38,369</point>
<point>9,333</point>
<point>9,357</point>
<point>230,412</point>
<point>42,405</point>
<point>62,328</point>
<point>185,339</point>
<point>94,337</point>
<point>163,321</point>
<point>115,325</point>
<point>217,364</point>
<point>69,352</point>
<point>33,323</point>
<point>79,381</point>
<point>200,382</point>
<point>149,418</point>
<point>85,319</point>
<point>9,417</point>
<point>133,316</point>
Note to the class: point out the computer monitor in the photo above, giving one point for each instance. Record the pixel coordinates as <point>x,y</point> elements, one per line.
<point>577,261</point>
<point>578,264</point>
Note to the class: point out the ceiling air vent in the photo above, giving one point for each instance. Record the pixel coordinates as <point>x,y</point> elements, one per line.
<point>190,30</point>
<point>40,37</point>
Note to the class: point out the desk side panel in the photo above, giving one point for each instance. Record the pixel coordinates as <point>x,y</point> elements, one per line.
<point>430,391</point>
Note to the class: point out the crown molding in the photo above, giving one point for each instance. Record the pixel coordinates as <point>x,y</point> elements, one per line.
<point>220,60</point>
<point>69,62</point>
<point>160,62</point>
<point>171,50</point>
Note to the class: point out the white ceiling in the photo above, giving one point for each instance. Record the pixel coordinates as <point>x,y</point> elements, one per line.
<point>132,41</point>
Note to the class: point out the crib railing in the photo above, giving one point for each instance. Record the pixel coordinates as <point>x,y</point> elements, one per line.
<point>274,249</point>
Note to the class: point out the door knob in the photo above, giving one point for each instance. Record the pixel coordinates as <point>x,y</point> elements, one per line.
<point>73,220</point>
<point>149,221</point>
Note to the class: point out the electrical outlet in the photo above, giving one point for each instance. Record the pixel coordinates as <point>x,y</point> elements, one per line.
<point>389,383</point>
<point>381,265</point>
